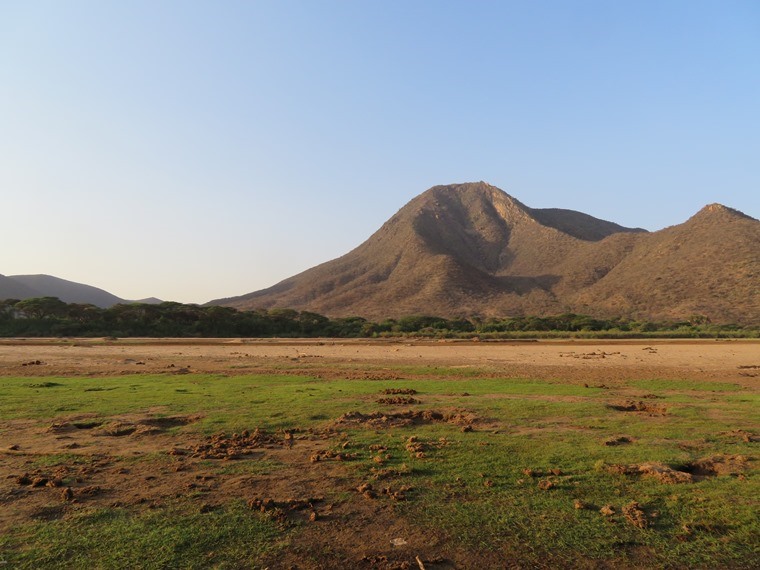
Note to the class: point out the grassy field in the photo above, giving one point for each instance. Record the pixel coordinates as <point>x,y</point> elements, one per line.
<point>478,471</point>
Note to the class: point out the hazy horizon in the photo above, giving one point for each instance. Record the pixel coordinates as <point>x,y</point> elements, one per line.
<point>191,151</point>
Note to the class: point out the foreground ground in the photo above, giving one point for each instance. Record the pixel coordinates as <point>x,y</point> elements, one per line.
<point>363,454</point>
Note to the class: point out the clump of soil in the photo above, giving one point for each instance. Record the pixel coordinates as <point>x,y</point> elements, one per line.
<point>640,406</point>
<point>327,454</point>
<point>635,515</point>
<point>407,418</point>
<point>415,447</point>
<point>390,472</point>
<point>402,391</point>
<point>397,494</point>
<point>367,491</point>
<point>398,401</point>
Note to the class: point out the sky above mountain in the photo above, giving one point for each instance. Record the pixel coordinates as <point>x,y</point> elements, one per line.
<point>193,150</point>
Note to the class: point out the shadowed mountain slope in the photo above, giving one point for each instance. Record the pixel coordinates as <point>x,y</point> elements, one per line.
<point>12,289</point>
<point>471,249</point>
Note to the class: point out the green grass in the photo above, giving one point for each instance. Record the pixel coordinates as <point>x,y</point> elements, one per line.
<point>177,537</point>
<point>527,424</point>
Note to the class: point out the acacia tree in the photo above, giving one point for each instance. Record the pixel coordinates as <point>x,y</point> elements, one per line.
<point>42,307</point>
<point>8,309</point>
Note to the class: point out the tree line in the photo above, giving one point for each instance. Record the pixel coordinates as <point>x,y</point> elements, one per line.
<point>49,316</point>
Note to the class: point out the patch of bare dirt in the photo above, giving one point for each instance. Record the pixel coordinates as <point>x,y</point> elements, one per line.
<point>399,391</point>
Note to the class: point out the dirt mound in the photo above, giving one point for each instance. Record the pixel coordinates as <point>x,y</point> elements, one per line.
<point>407,418</point>
<point>223,446</point>
<point>397,391</point>
<point>718,465</point>
<point>398,401</point>
<point>659,471</point>
<point>743,435</point>
<point>640,406</point>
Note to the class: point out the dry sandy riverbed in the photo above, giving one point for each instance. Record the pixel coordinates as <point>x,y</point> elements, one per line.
<point>727,360</point>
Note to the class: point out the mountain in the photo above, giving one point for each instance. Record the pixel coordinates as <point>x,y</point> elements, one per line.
<point>67,291</point>
<point>28,286</point>
<point>471,249</point>
<point>146,301</point>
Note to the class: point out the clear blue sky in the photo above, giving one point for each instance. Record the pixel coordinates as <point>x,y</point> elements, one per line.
<point>193,150</point>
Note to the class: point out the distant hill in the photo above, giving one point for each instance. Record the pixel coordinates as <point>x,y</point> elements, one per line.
<point>147,301</point>
<point>12,289</point>
<point>471,249</point>
<point>28,286</point>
